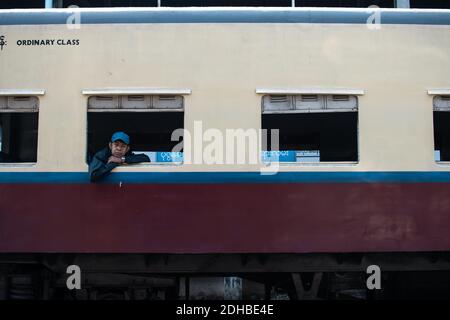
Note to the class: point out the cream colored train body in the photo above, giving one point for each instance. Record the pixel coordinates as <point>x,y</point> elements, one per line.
<point>393,196</point>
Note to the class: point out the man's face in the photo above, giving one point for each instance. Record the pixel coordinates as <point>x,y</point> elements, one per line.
<point>118,148</point>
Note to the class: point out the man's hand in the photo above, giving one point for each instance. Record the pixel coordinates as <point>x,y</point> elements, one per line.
<point>115,160</point>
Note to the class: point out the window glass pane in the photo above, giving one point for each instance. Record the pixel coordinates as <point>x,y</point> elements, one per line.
<point>345,3</point>
<point>150,132</point>
<point>19,132</point>
<point>315,137</point>
<point>441,121</point>
<point>22,4</point>
<point>430,4</point>
<point>226,3</point>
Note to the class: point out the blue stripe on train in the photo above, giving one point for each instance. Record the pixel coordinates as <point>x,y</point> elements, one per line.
<point>228,177</point>
<point>297,15</point>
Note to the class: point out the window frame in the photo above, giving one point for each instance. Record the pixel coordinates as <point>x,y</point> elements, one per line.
<point>436,93</point>
<point>35,93</point>
<point>123,92</point>
<point>320,92</point>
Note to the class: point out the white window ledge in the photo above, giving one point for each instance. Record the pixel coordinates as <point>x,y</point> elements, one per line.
<point>439,92</point>
<point>22,92</point>
<point>136,91</point>
<point>17,164</point>
<point>289,91</point>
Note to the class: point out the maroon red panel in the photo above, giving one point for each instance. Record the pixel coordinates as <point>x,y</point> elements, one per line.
<point>224,218</point>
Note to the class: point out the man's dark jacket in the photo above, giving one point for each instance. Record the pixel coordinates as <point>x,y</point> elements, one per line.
<point>99,166</point>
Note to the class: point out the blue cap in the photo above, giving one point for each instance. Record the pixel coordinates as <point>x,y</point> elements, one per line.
<point>120,136</point>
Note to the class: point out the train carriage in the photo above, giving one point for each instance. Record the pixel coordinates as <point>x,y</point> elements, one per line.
<point>360,98</point>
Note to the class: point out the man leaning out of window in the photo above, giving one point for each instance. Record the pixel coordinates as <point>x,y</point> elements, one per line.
<point>115,154</point>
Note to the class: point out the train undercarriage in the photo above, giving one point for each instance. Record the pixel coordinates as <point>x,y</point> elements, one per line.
<point>225,276</point>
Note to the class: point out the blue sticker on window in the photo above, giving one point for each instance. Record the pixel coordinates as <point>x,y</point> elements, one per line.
<point>169,156</point>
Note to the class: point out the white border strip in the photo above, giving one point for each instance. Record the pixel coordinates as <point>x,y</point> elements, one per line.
<point>439,92</point>
<point>22,92</point>
<point>143,91</point>
<point>310,91</point>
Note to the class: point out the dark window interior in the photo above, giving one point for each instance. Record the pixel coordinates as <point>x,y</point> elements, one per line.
<point>226,3</point>
<point>442,134</point>
<point>148,131</point>
<point>430,4</point>
<point>22,4</point>
<point>345,3</point>
<point>11,4</point>
<point>111,3</point>
<point>333,134</point>
<point>423,4</point>
<point>18,135</point>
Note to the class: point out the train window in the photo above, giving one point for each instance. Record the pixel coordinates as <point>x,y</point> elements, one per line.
<point>430,4</point>
<point>109,3</point>
<point>441,123</point>
<point>18,129</point>
<point>226,3</point>
<point>345,3</point>
<point>149,120</point>
<point>312,128</point>
<point>23,4</point>
<point>10,4</point>
<point>271,3</point>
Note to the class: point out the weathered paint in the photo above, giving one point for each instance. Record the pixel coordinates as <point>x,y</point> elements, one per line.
<point>224,218</point>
